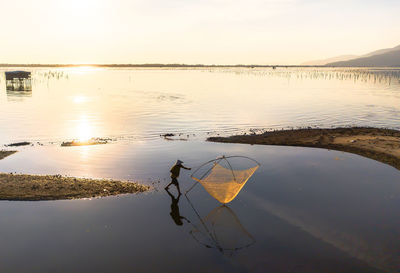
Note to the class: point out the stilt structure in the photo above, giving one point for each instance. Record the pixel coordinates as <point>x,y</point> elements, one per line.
<point>18,81</point>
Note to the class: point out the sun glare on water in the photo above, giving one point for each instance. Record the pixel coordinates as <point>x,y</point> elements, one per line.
<point>80,99</point>
<point>84,131</point>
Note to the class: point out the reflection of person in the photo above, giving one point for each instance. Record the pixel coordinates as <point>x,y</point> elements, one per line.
<point>175,174</point>
<point>175,214</point>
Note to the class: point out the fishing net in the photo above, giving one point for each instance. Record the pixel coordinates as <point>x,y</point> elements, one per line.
<point>224,182</point>
<point>222,230</point>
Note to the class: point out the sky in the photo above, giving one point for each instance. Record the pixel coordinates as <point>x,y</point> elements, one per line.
<point>192,32</point>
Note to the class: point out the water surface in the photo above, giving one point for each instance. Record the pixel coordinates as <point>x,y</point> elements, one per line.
<point>304,210</point>
<point>141,104</point>
<point>308,210</point>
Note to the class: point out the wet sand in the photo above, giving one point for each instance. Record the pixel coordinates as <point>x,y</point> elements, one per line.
<point>24,187</point>
<point>4,154</point>
<point>379,144</point>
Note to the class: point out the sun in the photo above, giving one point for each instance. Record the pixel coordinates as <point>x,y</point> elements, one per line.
<point>78,8</point>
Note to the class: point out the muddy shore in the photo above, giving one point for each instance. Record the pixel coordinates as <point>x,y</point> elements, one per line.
<point>24,187</point>
<point>379,144</point>
<point>4,154</point>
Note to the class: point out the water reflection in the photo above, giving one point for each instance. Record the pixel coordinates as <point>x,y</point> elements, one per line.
<point>175,214</point>
<point>221,229</point>
<point>16,96</point>
<point>80,99</point>
<point>83,129</point>
<point>140,104</point>
<point>307,211</point>
<point>376,253</point>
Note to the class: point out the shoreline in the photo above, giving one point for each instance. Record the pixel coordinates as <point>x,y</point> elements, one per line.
<point>25,187</point>
<point>382,145</point>
<point>4,154</point>
<point>173,65</point>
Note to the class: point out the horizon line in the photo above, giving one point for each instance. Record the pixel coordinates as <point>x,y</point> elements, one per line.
<point>154,65</point>
<point>177,65</point>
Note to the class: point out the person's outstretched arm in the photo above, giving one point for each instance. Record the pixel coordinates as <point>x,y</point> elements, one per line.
<point>186,168</point>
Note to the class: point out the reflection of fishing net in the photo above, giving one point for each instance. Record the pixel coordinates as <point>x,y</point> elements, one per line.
<point>221,229</point>
<point>223,179</point>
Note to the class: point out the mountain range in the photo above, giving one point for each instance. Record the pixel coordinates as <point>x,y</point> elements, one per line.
<point>389,57</point>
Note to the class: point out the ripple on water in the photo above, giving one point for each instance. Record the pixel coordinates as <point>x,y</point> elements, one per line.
<point>141,104</point>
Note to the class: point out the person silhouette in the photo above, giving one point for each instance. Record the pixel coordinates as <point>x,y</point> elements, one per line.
<point>175,170</point>
<point>175,214</point>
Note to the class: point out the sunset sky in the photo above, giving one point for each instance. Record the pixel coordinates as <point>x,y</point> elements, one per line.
<point>188,31</point>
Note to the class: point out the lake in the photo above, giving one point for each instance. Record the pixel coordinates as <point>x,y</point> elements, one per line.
<point>304,210</point>
<point>140,104</point>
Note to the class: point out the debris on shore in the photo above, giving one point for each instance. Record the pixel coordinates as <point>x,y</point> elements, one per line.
<point>167,135</point>
<point>92,141</point>
<point>18,144</point>
<point>173,137</point>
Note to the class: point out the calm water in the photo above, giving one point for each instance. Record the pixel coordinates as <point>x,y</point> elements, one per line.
<point>141,104</point>
<point>304,210</point>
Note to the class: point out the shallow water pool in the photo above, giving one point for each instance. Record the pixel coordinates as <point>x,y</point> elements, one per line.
<point>304,210</point>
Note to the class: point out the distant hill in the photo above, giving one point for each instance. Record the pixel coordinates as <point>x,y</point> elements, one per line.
<point>391,58</point>
<point>342,60</point>
<point>378,52</point>
<point>331,60</point>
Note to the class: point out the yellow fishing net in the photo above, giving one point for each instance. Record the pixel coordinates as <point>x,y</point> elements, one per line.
<point>224,184</point>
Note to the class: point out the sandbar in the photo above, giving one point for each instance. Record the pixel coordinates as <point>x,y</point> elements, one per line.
<point>24,187</point>
<point>379,144</point>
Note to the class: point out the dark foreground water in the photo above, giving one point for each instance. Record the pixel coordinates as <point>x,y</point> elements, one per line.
<point>304,210</point>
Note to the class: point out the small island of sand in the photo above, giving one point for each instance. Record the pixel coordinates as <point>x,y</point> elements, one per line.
<point>24,187</point>
<point>4,154</point>
<point>379,144</point>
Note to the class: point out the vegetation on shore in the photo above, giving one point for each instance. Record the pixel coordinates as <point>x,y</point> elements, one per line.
<point>379,144</point>
<point>23,187</point>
